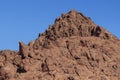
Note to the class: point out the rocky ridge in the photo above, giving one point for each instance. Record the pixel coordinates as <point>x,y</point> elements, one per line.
<point>73,48</point>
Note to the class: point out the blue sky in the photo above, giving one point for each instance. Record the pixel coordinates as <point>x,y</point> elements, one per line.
<point>23,20</point>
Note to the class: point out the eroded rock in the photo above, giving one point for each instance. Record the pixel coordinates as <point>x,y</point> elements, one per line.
<point>73,48</point>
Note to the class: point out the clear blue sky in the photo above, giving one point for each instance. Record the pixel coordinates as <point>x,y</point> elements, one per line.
<point>23,20</point>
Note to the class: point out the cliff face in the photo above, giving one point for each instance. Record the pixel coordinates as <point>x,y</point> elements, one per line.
<point>73,48</point>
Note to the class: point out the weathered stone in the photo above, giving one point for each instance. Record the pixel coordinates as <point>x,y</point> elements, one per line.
<point>73,48</point>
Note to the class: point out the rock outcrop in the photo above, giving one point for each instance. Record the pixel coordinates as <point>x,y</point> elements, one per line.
<point>73,48</point>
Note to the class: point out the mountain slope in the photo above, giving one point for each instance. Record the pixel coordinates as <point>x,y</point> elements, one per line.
<point>73,48</point>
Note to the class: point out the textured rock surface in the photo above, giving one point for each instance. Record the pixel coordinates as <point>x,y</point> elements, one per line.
<point>73,48</point>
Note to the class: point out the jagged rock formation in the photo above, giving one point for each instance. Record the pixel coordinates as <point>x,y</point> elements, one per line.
<point>73,48</point>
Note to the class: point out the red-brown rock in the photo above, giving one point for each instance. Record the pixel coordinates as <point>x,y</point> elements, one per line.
<point>73,48</point>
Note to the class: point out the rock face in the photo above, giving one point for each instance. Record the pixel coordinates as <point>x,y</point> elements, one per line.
<point>73,48</point>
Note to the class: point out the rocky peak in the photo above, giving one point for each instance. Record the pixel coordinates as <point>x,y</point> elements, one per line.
<point>73,48</point>
<point>75,24</point>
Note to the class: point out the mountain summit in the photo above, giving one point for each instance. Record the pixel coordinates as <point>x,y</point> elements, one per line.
<point>75,24</point>
<point>73,48</point>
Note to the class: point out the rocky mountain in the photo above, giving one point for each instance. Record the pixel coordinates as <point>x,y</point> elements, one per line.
<point>73,48</point>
